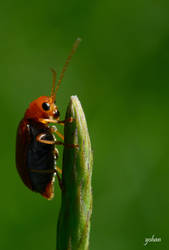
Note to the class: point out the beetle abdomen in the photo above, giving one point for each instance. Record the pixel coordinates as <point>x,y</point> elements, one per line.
<point>40,158</point>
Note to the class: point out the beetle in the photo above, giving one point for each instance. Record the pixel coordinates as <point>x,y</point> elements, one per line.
<point>36,153</point>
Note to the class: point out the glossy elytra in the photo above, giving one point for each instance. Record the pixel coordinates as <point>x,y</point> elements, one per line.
<point>36,150</point>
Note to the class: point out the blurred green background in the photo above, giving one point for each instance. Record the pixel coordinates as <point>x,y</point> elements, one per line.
<point>121,75</point>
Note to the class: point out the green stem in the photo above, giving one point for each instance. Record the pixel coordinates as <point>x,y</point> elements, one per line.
<point>76,208</point>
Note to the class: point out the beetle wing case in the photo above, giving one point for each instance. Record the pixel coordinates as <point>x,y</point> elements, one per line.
<point>32,156</point>
<point>22,142</point>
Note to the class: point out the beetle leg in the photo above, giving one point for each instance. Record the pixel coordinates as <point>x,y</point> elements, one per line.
<point>47,120</point>
<point>69,120</point>
<point>60,135</point>
<point>67,145</point>
<point>59,178</point>
<point>38,138</point>
<point>59,170</point>
<point>53,129</point>
<point>47,171</point>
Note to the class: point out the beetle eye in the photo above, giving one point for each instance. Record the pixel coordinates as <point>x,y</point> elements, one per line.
<point>46,106</point>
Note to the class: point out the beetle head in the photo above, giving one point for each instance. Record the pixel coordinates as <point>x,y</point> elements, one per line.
<point>42,108</point>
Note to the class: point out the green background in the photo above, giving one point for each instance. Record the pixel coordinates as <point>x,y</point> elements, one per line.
<point>121,75</point>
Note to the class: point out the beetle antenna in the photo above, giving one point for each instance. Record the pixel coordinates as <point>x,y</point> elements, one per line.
<point>75,45</point>
<point>53,84</point>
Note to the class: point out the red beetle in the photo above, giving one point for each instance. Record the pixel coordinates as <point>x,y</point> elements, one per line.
<point>35,143</point>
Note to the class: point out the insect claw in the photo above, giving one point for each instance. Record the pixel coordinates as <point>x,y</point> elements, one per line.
<point>70,120</point>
